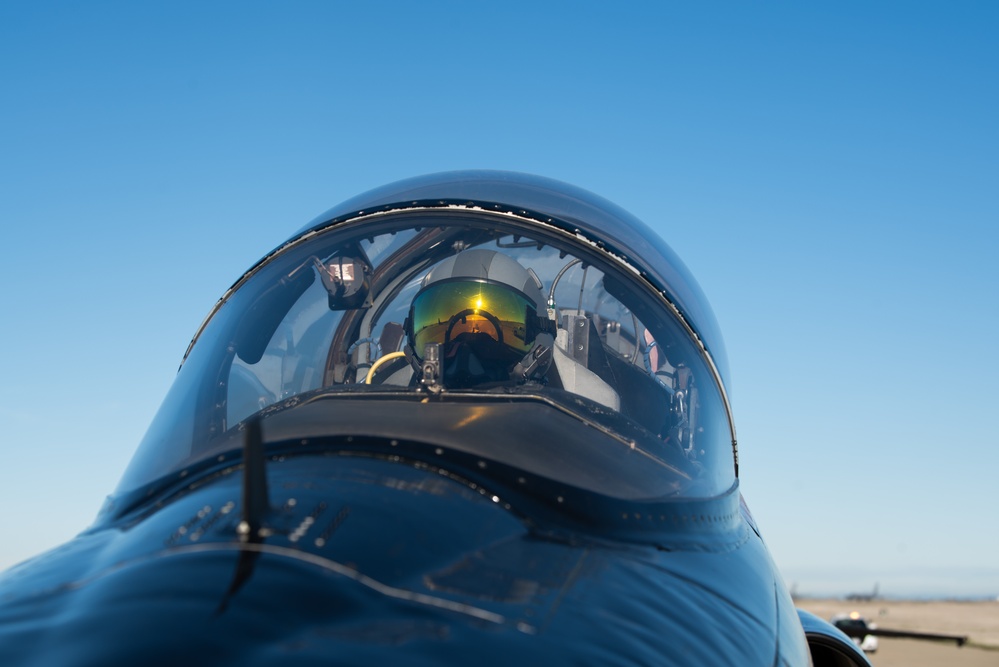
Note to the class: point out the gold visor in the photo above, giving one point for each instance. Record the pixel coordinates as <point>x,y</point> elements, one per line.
<point>445,310</point>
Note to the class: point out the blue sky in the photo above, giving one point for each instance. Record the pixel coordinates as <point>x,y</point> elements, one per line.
<point>829,173</point>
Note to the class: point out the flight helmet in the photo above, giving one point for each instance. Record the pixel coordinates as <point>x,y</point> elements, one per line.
<point>488,318</point>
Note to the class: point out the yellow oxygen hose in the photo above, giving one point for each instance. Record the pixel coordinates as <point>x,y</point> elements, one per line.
<point>381,360</point>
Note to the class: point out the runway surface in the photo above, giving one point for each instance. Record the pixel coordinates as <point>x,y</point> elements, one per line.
<point>978,620</point>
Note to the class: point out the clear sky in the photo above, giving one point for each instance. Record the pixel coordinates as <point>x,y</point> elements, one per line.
<point>830,173</point>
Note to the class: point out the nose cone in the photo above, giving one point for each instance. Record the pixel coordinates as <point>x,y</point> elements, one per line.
<point>376,562</point>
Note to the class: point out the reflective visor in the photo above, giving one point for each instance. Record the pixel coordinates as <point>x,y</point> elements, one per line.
<point>445,310</point>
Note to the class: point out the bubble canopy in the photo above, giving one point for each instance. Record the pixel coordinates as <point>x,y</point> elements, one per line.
<point>613,379</point>
<point>572,208</point>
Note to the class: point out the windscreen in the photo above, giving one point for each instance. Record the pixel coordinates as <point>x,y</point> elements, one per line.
<point>449,304</point>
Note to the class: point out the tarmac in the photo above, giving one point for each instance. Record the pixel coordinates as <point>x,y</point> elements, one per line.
<point>977,620</point>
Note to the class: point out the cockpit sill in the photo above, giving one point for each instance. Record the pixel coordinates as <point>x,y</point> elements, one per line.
<point>377,424</point>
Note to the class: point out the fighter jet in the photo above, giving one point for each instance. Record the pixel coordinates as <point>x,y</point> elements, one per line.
<point>468,418</point>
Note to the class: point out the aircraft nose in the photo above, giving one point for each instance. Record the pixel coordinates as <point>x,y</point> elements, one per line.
<point>376,561</point>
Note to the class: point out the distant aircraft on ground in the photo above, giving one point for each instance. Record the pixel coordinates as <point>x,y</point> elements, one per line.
<point>864,597</point>
<point>469,418</point>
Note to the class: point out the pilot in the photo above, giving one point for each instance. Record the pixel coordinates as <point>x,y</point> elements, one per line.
<point>480,319</point>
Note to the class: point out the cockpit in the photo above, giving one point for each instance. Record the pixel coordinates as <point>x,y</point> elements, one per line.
<point>516,333</point>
